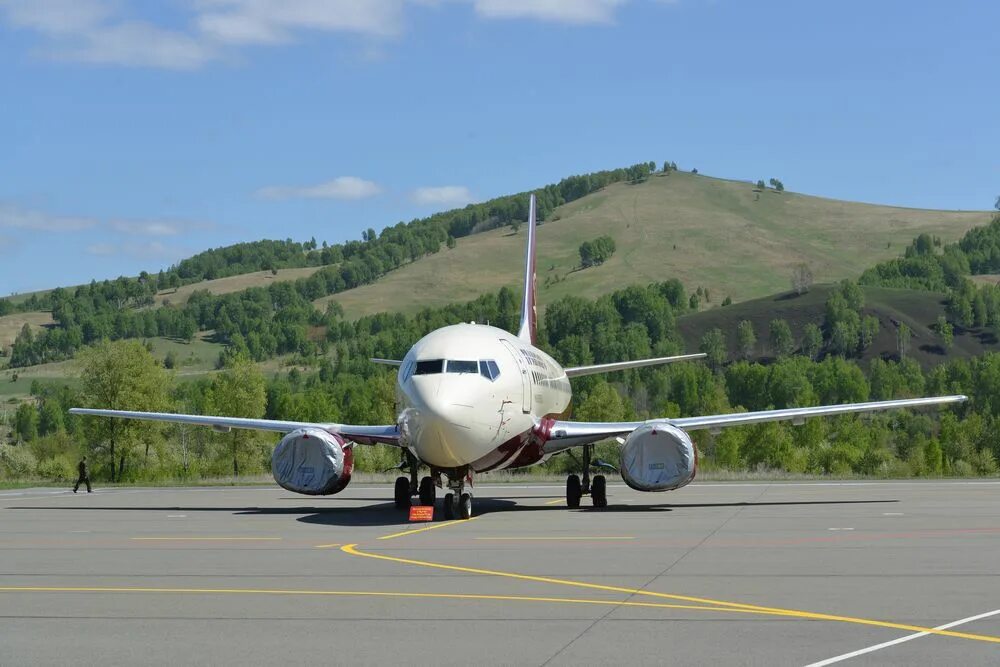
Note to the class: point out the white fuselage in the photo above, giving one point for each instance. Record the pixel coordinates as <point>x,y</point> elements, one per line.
<point>472,395</point>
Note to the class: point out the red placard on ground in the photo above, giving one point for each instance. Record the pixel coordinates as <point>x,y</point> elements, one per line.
<point>422,513</point>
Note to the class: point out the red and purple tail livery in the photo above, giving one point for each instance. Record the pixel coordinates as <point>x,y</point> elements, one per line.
<point>526,332</point>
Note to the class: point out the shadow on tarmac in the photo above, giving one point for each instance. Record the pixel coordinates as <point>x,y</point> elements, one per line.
<point>386,514</point>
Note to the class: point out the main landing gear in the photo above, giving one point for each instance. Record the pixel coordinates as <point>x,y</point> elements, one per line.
<point>403,492</point>
<point>577,488</point>
<point>406,487</point>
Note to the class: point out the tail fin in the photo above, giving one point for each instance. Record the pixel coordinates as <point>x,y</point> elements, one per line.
<point>526,332</point>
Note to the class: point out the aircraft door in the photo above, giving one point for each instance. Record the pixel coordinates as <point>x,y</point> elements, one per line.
<point>522,366</point>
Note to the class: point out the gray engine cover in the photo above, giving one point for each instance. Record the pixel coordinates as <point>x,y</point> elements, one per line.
<point>658,457</point>
<point>313,462</point>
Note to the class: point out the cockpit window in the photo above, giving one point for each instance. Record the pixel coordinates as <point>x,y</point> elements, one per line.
<point>489,369</point>
<point>462,366</point>
<point>429,367</point>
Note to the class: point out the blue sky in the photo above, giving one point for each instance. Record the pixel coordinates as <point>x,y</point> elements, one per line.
<point>133,134</point>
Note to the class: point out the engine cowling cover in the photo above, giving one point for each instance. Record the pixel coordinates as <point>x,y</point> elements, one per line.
<point>313,462</point>
<point>658,457</point>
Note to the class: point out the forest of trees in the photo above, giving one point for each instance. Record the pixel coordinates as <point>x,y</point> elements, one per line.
<point>635,322</point>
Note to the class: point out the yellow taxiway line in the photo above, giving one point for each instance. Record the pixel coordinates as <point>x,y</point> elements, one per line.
<point>433,526</point>
<point>547,539</point>
<point>706,602</point>
<point>556,501</point>
<point>385,594</point>
<point>206,539</point>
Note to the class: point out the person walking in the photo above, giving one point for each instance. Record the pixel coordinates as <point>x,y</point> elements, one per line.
<point>84,477</point>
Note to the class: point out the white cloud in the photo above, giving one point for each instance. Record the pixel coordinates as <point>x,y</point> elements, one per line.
<point>272,21</point>
<point>92,31</point>
<point>444,195</point>
<point>156,227</point>
<point>13,217</point>
<point>152,250</point>
<point>120,32</point>
<point>343,187</point>
<point>56,17</point>
<point>559,11</point>
<point>138,44</point>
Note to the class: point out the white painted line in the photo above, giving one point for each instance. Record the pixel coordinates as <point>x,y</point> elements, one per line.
<point>177,516</point>
<point>915,635</point>
<point>840,529</point>
<point>892,514</point>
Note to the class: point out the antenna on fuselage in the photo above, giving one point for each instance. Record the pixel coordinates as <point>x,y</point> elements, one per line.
<point>526,331</point>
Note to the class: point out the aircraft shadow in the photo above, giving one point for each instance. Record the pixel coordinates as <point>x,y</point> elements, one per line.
<point>386,514</point>
<point>669,507</point>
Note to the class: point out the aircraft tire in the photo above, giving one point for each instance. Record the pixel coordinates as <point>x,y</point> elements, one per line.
<point>465,506</point>
<point>402,493</point>
<point>573,491</point>
<point>427,491</point>
<point>599,491</point>
<point>449,506</point>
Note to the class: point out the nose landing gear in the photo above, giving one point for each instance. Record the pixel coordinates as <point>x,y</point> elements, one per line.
<point>458,501</point>
<point>577,488</point>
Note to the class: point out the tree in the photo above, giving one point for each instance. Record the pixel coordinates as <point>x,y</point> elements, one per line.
<point>713,344</point>
<point>945,332</point>
<point>50,417</point>
<point>802,278</point>
<point>238,391</point>
<point>451,242</point>
<point>812,341</point>
<point>603,403</point>
<point>777,185</point>
<point>598,251</point>
<point>170,360</point>
<point>760,184</point>
<point>515,225</point>
<point>869,329</point>
<point>780,338</point>
<point>26,422</point>
<point>746,339</point>
<point>903,335</point>
<point>121,376</point>
<point>728,301</point>
<point>844,338</point>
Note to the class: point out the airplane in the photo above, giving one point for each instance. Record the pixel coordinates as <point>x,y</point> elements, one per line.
<point>473,398</point>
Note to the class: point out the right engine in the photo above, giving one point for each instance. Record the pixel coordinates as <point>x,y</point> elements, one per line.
<point>658,456</point>
<point>313,462</point>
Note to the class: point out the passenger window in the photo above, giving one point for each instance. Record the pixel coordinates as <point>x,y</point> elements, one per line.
<point>461,366</point>
<point>429,367</point>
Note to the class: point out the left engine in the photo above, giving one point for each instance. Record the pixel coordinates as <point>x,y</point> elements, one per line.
<point>658,456</point>
<point>313,462</point>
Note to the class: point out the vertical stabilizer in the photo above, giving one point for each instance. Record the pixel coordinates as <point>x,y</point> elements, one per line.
<point>526,332</point>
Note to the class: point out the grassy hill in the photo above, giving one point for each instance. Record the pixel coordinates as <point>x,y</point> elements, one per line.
<point>231,284</point>
<point>919,310</point>
<point>712,232</point>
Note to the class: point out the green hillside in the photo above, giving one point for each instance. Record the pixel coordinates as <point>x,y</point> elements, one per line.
<point>708,232</point>
<point>918,310</point>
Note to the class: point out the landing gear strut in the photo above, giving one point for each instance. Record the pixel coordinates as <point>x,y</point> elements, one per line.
<point>597,488</point>
<point>458,500</point>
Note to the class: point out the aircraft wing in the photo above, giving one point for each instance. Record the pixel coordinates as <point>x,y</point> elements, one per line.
<point>566,434</point>
<point>577,371</point>
<point>369,435</point>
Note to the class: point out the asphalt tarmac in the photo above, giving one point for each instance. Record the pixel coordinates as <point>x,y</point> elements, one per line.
<point>717,573</point>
